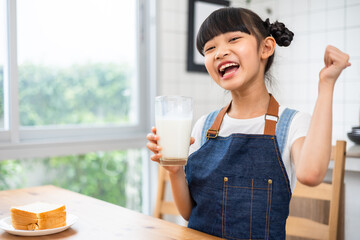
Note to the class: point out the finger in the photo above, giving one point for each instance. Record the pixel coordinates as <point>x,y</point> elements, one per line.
<point>155,160</point>
<point>150,137</point>
<point>153,130</point>
<point>337,54</point>
<point>337,58</point>
<point>156,157</point>
<point>346,62</point>
<point>327,61</point>
<point>153,147</point>
<point>332,55</point>
<point>347,58</point>
<point>153,138</point>
<point>326,57</point>
<point>192,140</point>
<point>340,59</point>
<point>332,48</point>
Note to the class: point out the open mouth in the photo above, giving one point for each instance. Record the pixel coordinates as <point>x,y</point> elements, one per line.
<point>228,68</point>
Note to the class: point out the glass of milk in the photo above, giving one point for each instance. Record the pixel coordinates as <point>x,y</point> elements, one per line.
<point>173,119</point>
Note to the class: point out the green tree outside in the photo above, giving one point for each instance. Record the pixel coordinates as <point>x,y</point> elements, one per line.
<point>80,94</point>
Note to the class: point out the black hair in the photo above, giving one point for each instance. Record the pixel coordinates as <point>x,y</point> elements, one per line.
<point>231,19</point>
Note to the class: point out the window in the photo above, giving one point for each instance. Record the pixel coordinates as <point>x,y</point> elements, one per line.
<point>73,74</point>
<point>2,60</point>
<point>77,62</point>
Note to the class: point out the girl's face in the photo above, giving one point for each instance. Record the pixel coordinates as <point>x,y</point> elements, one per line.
<point>233,60</point>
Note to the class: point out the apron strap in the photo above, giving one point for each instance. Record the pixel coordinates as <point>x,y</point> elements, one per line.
<point>214,130</point>
<point>271,118</point>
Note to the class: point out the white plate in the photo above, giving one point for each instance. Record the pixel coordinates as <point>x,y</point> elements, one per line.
<point>5,224</point>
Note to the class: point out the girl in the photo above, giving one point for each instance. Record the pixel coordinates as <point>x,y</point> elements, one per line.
<point>246,158</point>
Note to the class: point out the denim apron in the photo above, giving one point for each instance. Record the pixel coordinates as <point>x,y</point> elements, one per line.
<point>238,184</point>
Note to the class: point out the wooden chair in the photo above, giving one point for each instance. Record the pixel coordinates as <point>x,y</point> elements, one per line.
<point>163,207</point>
<point>308,228</point>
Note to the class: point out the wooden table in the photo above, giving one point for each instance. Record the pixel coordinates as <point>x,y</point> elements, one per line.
<point>97,219</point>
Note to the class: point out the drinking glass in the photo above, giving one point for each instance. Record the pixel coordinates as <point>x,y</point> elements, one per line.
<point>173,119</point>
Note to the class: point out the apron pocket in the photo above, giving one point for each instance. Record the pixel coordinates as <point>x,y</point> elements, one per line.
<point>246,208</point>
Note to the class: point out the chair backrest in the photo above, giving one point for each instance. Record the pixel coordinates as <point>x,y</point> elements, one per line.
<point>163,207</point>
<point>308,228</point>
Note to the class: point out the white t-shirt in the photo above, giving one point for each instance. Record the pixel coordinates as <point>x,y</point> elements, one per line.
<point>298,128</point>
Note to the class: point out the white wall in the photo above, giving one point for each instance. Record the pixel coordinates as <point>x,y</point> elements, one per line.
<point>316,23</point>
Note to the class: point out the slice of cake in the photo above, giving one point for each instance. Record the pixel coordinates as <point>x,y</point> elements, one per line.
<point>38,216</point>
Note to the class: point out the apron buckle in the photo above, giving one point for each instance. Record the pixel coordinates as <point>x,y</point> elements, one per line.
<point>271,118</point>
<point>211,133</point>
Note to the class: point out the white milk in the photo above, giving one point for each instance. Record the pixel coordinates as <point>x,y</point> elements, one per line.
<point>174,139</point>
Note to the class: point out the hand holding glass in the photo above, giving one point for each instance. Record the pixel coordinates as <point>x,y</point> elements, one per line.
<point>173,118</point>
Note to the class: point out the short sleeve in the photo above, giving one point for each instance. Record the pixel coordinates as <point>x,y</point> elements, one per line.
<point>196,133</point>
<point>299,127</point>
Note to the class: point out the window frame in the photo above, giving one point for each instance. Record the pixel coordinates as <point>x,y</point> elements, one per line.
<point>28,142</point>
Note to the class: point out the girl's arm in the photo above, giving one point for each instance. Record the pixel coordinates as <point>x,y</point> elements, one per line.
<point>179,186</point>
<point>311,154</point>
<point>181,193</point>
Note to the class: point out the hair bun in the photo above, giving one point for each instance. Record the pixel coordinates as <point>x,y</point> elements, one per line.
<point>282,35</point>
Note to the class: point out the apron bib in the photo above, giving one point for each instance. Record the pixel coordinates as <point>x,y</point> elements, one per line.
<point>239,184</point>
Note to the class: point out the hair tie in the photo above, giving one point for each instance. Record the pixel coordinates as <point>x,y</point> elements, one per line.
<point>267,25</point>
<point>280,33</point>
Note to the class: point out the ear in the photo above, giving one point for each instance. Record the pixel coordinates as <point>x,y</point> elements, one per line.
<point>268,47</point>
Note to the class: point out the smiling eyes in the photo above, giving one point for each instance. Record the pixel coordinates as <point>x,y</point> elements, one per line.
<point>213,47</point>
<point>234,39</point>
<point>208,49</point>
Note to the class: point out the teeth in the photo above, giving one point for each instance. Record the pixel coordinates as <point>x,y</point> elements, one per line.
<point>222,68</point>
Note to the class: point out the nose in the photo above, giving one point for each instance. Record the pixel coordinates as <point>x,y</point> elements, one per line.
<point>221,53</point>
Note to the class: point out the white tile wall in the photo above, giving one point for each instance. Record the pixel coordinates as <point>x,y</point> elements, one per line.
<point>300,47</point>
<point>352,42</point>
<point>353,16</point>
<point>300,7</point>
<point>351,2</point>
<point>285,7</point>
<point>317,21</point>
<point>351,88</point>
<point>335,18</point>
<point>262,8</point>
<point>300,23</point>
<point>331,4</point>
<point>353,72</point>
<point>336,38</point>
<point>317,45</point>
<point>317,5</point>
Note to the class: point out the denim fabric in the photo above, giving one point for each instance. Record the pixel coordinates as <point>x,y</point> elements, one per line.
<point>282,127</point>
<point>240,187</point>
